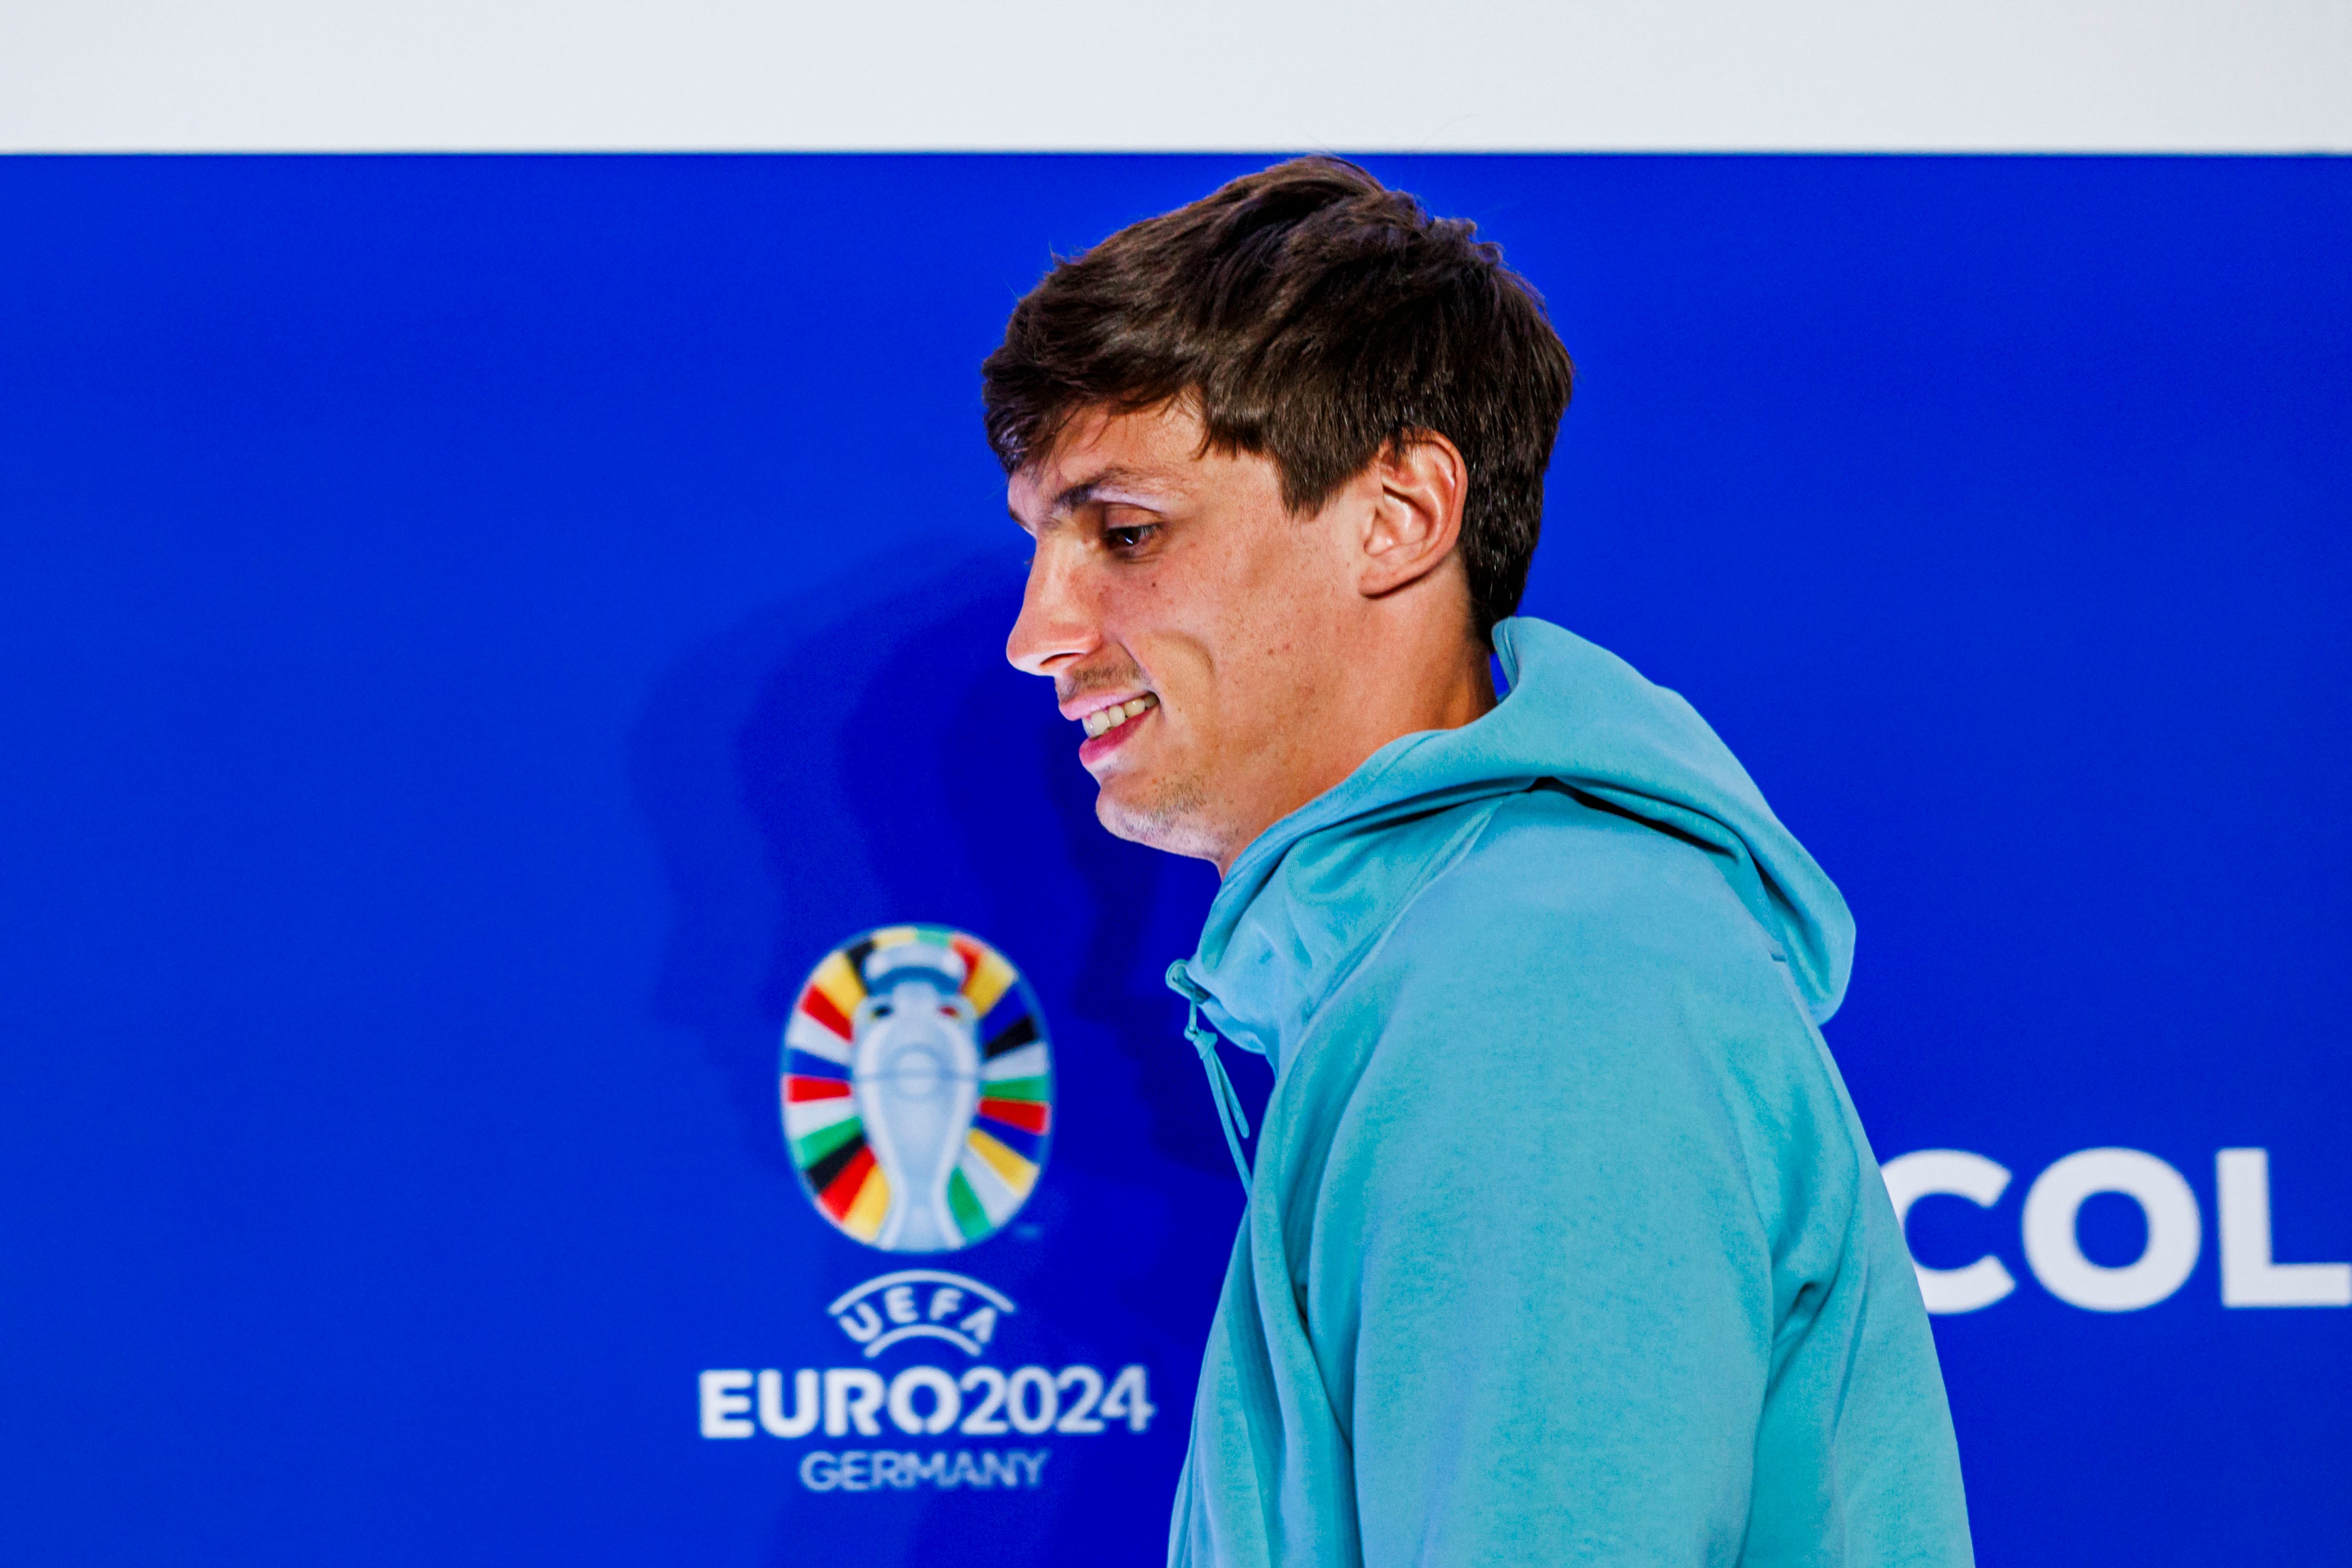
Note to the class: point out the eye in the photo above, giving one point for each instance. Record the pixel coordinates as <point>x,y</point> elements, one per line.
<point>946,1013</point>
<point>881,1009</point>
<point>1125,529</point>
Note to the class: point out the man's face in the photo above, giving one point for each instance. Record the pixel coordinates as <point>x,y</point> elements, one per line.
<point>1187,621</point>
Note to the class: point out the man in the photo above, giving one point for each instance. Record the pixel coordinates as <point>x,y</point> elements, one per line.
<point>1563,1244</point>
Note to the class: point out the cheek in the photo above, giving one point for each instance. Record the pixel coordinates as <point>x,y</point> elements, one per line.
<point>1175,663</point>
<point>1205,630</point>
<point>1144,613</point>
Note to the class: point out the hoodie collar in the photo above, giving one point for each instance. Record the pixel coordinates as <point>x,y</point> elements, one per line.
<point>1315,891</point>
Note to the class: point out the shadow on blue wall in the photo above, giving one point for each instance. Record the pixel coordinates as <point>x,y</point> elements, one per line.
<point>898,706</point>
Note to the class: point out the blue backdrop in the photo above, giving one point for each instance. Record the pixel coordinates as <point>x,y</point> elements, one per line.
<point>473,632</point>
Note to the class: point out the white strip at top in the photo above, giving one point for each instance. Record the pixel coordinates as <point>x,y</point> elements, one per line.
<point>2013,76</point>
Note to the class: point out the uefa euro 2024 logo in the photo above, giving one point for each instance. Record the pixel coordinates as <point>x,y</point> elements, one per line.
<point>917,1089</point>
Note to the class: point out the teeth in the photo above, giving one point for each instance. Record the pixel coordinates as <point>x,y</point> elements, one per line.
<point>1103,720</point>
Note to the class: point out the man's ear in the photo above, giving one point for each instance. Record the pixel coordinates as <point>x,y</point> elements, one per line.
<point>1416,514</point>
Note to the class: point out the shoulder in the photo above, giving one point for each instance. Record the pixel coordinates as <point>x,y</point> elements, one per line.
<point>1582,977</point>
<point>1597,900</point>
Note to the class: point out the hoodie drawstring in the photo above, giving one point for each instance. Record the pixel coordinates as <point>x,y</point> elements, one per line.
<point>1230,1115</point>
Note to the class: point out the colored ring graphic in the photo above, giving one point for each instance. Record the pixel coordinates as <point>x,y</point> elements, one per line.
<point>917,1089</point>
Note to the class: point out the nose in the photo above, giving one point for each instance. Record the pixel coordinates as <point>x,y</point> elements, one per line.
<point>1057,621</point>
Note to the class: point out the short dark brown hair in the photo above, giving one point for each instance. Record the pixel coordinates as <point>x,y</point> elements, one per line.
<point>1315,317</point>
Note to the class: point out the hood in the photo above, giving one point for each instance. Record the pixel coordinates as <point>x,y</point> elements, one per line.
<point>1274,946</point>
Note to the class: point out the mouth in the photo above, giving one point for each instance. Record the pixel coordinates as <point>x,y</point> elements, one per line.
<point>1110,726</point>
<point>1103,720</point>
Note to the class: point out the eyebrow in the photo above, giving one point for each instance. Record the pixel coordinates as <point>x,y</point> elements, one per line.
<point>1086,490</point>
<point>1111,480</point>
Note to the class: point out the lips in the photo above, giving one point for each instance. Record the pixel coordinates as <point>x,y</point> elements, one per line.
<point>1109,727</point>
<point>1103,720</point>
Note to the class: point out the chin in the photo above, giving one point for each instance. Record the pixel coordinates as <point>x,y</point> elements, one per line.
<point>1163,814</point>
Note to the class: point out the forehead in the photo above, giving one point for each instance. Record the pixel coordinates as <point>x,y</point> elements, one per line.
<point>1148,457</point>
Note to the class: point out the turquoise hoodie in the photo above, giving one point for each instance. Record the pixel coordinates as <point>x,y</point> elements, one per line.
<point>1564,1244</point>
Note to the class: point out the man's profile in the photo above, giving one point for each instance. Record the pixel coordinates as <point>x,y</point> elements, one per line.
<point>1564,1243</point>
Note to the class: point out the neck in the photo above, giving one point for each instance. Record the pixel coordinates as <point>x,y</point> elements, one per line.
<point>1397,685</point>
